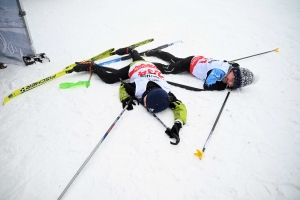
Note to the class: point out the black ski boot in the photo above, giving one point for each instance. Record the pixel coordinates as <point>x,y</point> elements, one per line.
<point>84,66</point>
<point>123,51</point>
<point>151,53</point>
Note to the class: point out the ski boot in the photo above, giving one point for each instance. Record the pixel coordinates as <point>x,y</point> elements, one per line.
<point>124,51</point>
<point>84,66</point>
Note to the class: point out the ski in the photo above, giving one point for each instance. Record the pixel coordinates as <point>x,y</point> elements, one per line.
<point>140,43</point>
<point>53,76</point>
<point>142,53</point>
<point>100,56</point>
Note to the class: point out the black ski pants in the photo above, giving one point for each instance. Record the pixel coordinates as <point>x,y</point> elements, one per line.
<point>116,74</point>
<point>176,65</point>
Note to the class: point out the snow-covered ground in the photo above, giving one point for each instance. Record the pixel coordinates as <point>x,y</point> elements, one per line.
<point>254,153</point>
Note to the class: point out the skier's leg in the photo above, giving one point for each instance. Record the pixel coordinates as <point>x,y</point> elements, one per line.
<point>163,55</point>
<point>135,55</point>
<point>182,65</point>
<point>112,77</point>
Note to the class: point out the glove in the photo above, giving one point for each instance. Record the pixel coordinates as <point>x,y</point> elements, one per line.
<point>130,105</point>
<point>175,129</point>
<point>234,64</point>
<point>173,101</point>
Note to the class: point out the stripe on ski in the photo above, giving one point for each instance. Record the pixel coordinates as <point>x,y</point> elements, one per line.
<point>128,57</point>
<point>100,56</point>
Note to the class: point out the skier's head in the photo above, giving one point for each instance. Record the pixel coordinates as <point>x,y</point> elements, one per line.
<point>243,77</point>
<point>156,100</point>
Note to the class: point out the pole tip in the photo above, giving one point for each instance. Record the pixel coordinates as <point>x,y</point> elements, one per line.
<point>277,49</point>
<point>199,154</point>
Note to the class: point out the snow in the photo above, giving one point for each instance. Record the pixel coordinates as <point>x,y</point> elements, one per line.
<point>46,134</point>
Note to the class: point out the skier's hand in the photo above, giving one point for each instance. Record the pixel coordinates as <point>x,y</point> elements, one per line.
<point>175,129</point>
<point>174,102</point>
<point>234,64</point>
<point>130,104</point>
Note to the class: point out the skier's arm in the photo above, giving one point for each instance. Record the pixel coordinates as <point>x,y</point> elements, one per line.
<point>214,80</point>
<point>179,111</point>
<point>178,108</point>
<point>126,92</point>
<point>219,85</point>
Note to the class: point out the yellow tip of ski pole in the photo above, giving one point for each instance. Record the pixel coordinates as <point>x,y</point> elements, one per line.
<point>199,153</point>
<point>277,49</point>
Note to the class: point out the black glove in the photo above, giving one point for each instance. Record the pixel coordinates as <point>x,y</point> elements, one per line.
<point>175,130</point>
<point>173,100</point>
<point>234,64</point>
<point>130,105</point>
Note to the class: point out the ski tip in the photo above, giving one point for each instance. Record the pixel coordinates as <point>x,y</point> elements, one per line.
<point>6,100</point>
<point>199,154</point>
<point>277,49</point>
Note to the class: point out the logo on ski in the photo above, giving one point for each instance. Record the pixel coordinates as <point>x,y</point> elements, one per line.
<point>33,85</point>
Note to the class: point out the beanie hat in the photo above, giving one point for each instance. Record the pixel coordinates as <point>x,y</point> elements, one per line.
<point>157,100</point>
<point>242,77</point>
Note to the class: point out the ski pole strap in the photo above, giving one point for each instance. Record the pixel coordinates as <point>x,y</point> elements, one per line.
<point>91,67</point>
<point>88,83</point>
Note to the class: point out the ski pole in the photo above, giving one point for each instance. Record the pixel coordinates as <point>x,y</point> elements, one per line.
<point>276,50</point>
<point>174,135</point>
<point>186,86</point>
<point>201,153</point>
<point>94,150</point>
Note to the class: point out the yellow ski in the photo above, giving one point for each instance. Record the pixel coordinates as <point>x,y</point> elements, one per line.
<point>52,77</point>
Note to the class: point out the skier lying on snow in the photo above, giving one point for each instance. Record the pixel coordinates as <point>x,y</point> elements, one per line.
<point>147,85</point>
<point>218,75</point>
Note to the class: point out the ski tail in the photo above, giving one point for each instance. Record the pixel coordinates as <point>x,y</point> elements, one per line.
<point>100,56</point>
<point>161,47</point>
<point>142,54</point>
<point>142,43</point>
<point>137,44</point>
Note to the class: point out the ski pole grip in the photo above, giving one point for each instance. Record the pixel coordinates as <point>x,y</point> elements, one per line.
<point>130,100</point>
